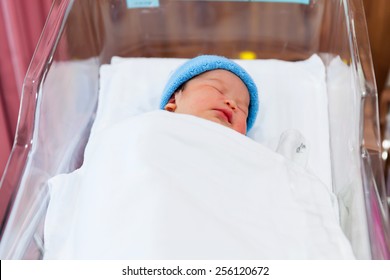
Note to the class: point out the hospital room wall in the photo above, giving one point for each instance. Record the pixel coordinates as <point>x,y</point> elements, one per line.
<point>21,24</point>
<point>378,24</point>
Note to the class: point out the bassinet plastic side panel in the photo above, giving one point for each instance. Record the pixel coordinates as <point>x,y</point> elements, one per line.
<point>61,92</point>
<point>28,196</point>
<point>364,89</point>
<point>371,160</point>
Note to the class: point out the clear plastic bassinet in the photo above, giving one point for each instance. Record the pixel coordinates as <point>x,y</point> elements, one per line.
<point>54,125</point>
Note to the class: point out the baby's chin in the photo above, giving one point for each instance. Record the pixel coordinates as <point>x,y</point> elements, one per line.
<point>219,120</point>
<point>224,123</point>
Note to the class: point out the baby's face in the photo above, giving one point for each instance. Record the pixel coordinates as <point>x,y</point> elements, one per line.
<point>218,96</point>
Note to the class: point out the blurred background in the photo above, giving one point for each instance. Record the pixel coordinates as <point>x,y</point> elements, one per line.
<point>21,23</point>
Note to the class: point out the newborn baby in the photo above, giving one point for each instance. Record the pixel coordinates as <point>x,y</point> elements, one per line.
<point>214,88</point>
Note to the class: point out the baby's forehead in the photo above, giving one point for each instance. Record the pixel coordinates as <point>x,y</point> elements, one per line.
<point>225,79</point>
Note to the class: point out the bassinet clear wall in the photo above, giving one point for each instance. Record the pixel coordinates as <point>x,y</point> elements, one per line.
<point>54,126</point>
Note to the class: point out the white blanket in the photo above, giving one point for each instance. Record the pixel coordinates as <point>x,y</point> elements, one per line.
<point>170,186</point>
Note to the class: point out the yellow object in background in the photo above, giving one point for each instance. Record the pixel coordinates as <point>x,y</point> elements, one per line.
<point>248,55</point>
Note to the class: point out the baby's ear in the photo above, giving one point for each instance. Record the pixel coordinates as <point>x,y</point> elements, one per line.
<point>171,105</point>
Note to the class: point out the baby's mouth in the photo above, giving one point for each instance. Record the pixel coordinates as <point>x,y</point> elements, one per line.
<point>226,114</point>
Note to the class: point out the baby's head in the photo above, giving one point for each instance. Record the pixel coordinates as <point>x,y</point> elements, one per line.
<point>214,88</point>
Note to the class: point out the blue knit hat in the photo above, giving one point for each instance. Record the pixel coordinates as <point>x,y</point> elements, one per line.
<point>204,63</point>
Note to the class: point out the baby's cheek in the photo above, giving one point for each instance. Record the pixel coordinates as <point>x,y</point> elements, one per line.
<point>241,126</point>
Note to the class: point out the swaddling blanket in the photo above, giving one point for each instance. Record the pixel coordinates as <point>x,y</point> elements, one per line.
<point>171,186</point>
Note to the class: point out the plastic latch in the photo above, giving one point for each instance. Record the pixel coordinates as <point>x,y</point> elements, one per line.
<point>131,4</point>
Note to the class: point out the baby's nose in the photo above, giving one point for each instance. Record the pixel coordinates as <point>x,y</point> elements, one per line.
<point>231,103</point>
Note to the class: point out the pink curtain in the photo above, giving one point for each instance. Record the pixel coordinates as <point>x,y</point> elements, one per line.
<point>21,24</point>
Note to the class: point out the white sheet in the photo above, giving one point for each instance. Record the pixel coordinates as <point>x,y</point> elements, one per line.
<point>293,95</point>
<point>171,186</point>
